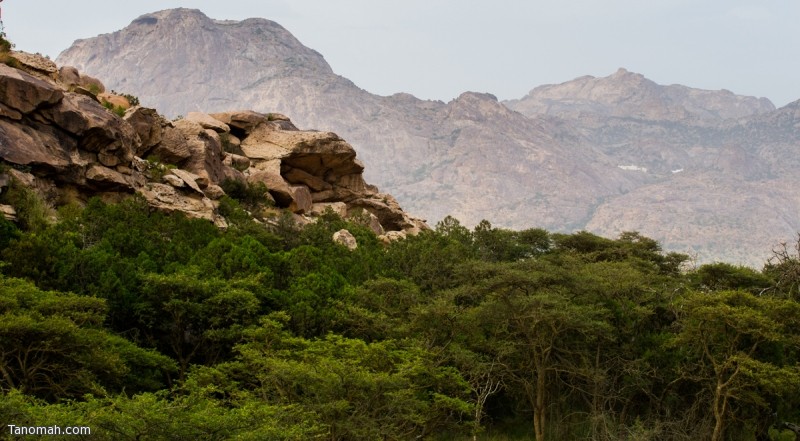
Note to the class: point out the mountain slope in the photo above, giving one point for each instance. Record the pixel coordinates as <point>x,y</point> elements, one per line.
<point>577,155</point>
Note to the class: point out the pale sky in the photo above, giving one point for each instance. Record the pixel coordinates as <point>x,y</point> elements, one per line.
<point>436,49</point>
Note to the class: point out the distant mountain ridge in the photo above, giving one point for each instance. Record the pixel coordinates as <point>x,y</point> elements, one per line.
<point>628,94</point>
<point>702,171</point>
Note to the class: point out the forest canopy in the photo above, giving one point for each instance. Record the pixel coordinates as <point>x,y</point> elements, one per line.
<point>144,325</point>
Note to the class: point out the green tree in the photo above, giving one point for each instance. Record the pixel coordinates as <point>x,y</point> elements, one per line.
<point>52,345</point>
<point>359,391</point>
<point>735,345</point>
<point>194,318</point>
<point>724,276</point>
<point>532,325</point>
<point>502,245</point>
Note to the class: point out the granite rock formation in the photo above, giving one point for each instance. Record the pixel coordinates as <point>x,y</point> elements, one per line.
<point>56,138</point>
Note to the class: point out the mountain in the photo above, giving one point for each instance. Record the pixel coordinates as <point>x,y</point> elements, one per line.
<point>719,166</point>
<point>631,95</point>
<point>702,171</point>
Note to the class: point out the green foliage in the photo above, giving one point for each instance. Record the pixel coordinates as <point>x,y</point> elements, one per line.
<point>116,110</point>
<point>501,245</point>
<point>5,49</point>
<point>191,414</point>
<point>730,340</point>
<point>5,45</point>
<point>132,99</point>
<point>33,213</point>
<point>142,324</point>
<point>8,232</point>
<point>252,196</point>
<point>53,346</point>
<point>94,88</point>
<point>386,390</point>
<point>724,276</point>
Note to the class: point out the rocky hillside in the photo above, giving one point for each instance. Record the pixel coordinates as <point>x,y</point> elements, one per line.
<point>62,135</point>
<point>695,169</point>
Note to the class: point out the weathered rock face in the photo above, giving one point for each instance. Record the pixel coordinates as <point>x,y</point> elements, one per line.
<point>302,167</point>
<point>63,136</point>
<point>25,93</point>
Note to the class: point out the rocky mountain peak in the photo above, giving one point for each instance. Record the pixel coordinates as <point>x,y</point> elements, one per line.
<point>628,94</point>
<point>477,106</point>
<point>172,16</point>
<point>246,53</point>
<point>625,74</point>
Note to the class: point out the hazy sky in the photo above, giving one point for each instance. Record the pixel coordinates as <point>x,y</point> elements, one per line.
<point>437,49</point>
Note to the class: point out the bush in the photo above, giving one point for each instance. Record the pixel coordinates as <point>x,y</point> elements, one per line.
<point>33,213</point>
<point>252,195</point>
<point>5,49</point>
<point>117,110</point>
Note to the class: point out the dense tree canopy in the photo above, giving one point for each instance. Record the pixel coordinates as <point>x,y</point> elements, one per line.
<point>144,325</point>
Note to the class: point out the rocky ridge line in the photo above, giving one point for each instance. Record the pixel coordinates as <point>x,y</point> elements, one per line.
<point>57,137</point>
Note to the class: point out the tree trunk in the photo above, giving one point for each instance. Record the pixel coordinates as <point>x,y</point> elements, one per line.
<point>539,406</point>
<point>720,407</point>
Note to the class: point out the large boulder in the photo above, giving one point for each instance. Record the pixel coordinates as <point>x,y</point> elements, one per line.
<point>388,212</point>
<point>166,198</point>
<point>238,162</point>
<point>149,125</point>
<point>297,176</point>
<point>69,76</point>
<point>105,178</point>
<point>346,239</point>
<point>301,199</point>
<point>97,129</point>
<point>24,92</point>
<point>173,147</point>
<point>354,182</point>
<point>8,212</point>
<point>192,180</point>
<point>321,154</point>
<point>272,179</point>
<point>320,208</point>
<point>23,145</point>
<point>206,152</point>
<point>208,122</point>
<point>36,63</point>
<point>243,120</point>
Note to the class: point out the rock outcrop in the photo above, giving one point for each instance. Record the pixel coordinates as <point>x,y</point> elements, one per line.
<point>55,133</point>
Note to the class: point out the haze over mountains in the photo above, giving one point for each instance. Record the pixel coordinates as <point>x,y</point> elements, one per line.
<point>706,172</point>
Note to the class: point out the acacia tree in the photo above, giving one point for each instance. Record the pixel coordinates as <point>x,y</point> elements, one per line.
<point>784,268</point>
<point>730,340</point>
<point>52,346</point>
<point>536,329</point>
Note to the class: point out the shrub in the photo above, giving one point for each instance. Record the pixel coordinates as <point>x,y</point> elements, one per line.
<point>5,52</point>
<point>117,110</point>
<point>33,213</point>
<point>251,196</point>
